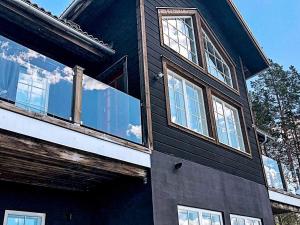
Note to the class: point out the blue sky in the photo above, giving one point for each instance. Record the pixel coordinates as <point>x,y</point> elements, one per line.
<point>274,23</point>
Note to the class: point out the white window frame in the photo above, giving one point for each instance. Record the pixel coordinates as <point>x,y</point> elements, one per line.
<point>205,39</point>
<point>237,124</point>
<point>200,212</point>
<point>232,216</point>
<point>203,120</point>
<point>24,213</point>
<point>193,38</point>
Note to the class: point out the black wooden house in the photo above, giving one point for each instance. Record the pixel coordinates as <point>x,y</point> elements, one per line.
<point>129,112</point>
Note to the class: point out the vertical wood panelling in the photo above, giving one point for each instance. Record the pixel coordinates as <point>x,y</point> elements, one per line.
<point>169,139</point>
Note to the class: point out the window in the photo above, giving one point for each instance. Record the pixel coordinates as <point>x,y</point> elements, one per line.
<point>216,65</point>
<point>23,218</point>
<point>32,92</point>
<point>179,35</point>
<point>186,104</point>
<point>241,220</point>
<point>192,216</point>
<point>228,124</point>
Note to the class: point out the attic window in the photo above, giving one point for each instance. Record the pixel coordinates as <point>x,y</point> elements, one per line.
<point>179,35</point>
<point>216,65</point>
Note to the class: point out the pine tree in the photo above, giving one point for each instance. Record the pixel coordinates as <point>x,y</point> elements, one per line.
<point>275,96</point>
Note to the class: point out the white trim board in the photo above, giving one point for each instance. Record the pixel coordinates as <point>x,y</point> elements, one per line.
<point>48,132</point>
<point>282,198</point>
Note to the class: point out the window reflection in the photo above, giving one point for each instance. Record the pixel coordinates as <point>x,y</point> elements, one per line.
<point>23,220</point>
<point>111,111</point>
<point>33,81</point>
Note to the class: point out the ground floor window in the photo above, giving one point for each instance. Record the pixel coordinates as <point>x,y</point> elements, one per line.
<point>193,216</point>
<point>23,218</point>
<point>242,220</point>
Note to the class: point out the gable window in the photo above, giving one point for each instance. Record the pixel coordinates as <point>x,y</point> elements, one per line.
<point>242,220</point>
<point>228,125</point>
<point>186,104</point>
<point>23,218</point>
<point>216,65</point>
<point>187,215</point>
<point>179,35</point>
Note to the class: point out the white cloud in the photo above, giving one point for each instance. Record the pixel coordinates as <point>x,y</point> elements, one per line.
<point>135,130</point>
<point>92,84</point>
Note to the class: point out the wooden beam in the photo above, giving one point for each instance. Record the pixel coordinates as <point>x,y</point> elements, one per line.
<point>52,154</point>
<point>284,208</point>
<point>77,94</point>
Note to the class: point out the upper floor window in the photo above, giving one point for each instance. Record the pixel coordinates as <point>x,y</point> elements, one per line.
<point>186,104</point>
<point>228,125</point>
<point>179,35</point>
<point>23,218</point>
<point>216,65</point>
<point>242,220</point>
<point>194,216</point>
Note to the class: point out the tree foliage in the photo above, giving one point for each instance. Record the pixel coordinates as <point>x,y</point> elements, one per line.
<point>275,96</point>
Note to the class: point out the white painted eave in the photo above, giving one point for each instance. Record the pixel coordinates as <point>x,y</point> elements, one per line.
<point>285,199</point>
<point>35,128</point>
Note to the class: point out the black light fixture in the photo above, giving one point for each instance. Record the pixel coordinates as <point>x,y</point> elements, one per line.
<point>178,166</point>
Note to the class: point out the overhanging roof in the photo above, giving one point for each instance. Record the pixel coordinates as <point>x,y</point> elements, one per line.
<point>230,21</point>
<point>48,33</point>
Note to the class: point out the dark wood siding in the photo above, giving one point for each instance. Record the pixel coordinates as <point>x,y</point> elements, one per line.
<point>124,202</point>
<point>179,143</point>
<point>116,24</point>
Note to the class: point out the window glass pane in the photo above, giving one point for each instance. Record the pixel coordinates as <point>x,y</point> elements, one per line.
<point>206,219</point>
<point>216,220</point>
<point>23,220</point>
<point>15,220</point>
<point>179,35</point>
<point>193,218</point>
<point>228,125</point>
<point>187,104</point>
<point>215,63</point>
<point>234,221</point>
<point>183,217</point>
<point>241,221</point>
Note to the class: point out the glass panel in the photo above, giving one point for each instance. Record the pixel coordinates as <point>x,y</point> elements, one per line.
<point>33,81</point>
<point>183,217</point>
<point>33,220</point>
<point>179,35</point>
<point>111,111</point>
<point>228,125</point>
<point>216,220</point>
<point>15,220</point>
<point>215,63</point>
<point>206,219</point>
<point>193,218</point>
<point>272,173</point>
<point>234,221</point>
<point>241,221</point>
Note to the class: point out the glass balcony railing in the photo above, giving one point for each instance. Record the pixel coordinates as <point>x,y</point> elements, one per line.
<point>273,174</point>
<point>33,81</point>
<point>280,177</point>
<point>36,83</point>
<point>110,110</point>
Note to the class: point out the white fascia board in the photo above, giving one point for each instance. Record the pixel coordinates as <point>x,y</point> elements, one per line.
<point>282,198</point>
<point>28,126</point>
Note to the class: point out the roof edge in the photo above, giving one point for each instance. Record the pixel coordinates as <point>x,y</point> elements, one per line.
<point>66,25</point>
<point>248,31</point>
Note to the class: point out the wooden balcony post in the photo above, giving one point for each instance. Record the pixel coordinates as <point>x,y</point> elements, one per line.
<point>77,94</point>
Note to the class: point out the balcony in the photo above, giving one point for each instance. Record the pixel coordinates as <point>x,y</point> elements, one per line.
<point>44,87</point>
<point>284,187</point>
